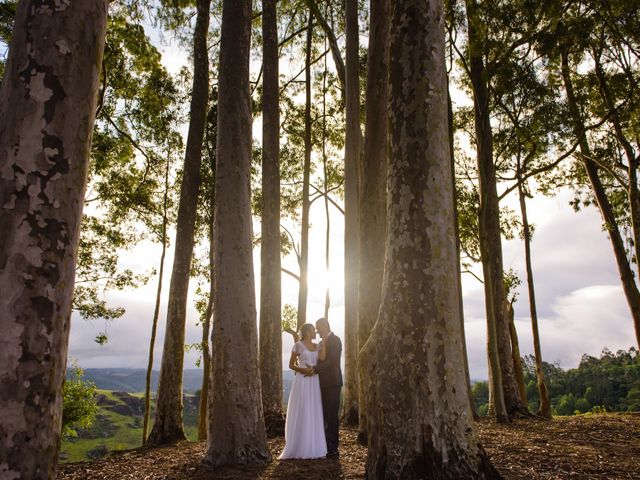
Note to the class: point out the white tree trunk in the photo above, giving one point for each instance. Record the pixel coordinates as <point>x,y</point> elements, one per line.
<point>236,425</point>
<point>47,109</point>
<point>418,415</point>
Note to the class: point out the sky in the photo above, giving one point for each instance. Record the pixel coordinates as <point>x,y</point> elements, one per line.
<point>581,305</point>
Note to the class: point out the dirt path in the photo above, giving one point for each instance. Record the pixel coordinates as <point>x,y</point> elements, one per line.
<point>582,447</point>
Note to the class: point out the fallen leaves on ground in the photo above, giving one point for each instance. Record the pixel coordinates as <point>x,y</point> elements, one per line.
<point>605,446</point>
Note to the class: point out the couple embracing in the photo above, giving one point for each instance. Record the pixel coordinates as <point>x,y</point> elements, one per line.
<point>311,430</point>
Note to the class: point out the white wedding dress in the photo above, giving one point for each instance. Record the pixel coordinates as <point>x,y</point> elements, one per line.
<point>304,429</point>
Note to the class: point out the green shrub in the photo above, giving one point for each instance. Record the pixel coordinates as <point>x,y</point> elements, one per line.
<point>79,402</point>
<point>566,405</point>
<point>582,405</point>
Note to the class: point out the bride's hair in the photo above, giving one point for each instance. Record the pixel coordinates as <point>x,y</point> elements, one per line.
<point>305,330</point>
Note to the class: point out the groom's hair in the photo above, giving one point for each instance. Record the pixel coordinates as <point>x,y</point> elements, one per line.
<point>323,321</point>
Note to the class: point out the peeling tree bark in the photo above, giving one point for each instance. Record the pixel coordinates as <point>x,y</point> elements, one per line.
<point>47,109</point>
<point>418,416</point>
<point>270,276</point>
<point>168,427</point>
<point>236,425</point>
<point>373,190</point>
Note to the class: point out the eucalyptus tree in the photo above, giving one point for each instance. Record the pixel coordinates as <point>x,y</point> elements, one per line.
<point>306,179</point>
<point>373,188</point>
<point>46,119</point>
<point>168,413</point>
<point>419,421</point>
<point>527,111</point>
<point>270,251</point>
<point>351,210</point>
<point>492,39</point>
<point>236,425</point>
<point>594,49</point>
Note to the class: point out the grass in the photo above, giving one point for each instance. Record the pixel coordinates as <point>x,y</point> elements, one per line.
<point>126,435</point>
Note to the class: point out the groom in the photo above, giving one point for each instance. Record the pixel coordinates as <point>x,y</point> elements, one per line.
<point>330,384</point>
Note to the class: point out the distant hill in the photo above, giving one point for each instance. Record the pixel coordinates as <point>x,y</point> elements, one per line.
<point>132,380</point>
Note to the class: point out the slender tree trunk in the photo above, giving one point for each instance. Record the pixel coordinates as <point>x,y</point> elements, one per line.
<point>156,310</point>
<point>333,42</point>
<point>47,110</point>
<point>206,330</point>
<point>236,425</point>
<point>515,352</point>
<point>351,220</point>
<point>306,173</point>
<point>270,276</point>
<point>327,240</point>
<point>490,234</point>
<point>626,273</point>
<point>632,161</point>
<point>168,427</point>
<point>544,410</point>
<point>373,192</point>
<point>419,421</point>
<point>467,375</point>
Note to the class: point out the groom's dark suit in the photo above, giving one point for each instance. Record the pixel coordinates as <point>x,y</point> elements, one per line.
<point>330,383</point>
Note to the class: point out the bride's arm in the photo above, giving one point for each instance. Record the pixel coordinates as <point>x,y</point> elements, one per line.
<point>292,365</point>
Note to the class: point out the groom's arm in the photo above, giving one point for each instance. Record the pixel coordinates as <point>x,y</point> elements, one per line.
<point>334,351</point>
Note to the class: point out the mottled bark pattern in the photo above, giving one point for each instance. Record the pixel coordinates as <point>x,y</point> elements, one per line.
<point>236,426</point>
<point>47,109</point>
<point>351,233</point>
<point>373,189</point>
<point>270,282</point>
<point>168,427</point>
<point>419,421</point>
<point>490,234</point>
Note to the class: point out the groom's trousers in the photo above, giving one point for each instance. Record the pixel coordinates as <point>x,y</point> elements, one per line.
<point>330,409</point>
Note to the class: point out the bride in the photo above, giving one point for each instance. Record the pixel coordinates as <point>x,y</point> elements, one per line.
<point>304,429</point>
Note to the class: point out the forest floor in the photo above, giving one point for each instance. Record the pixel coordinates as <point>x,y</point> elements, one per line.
<point>604,446</point>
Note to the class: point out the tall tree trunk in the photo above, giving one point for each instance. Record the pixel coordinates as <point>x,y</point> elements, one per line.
<point>306,173</point>
<point>373,191</point>
<point>544,410</point>
<point>626,273</point>
<point>236,425</point>
<point>156,310</point>
<point>168,427</point>
<point>419,421</point>
<point>515,352</point>
<point>206,331</point>
<point>47,110</point>
<point>351,220</point>
<point>333,42</point>
<point>327,240</point>
<point>206,371</point>
<point>467,375</point>
<point>490,235</point>
<point>633,193</point>
<point>270,276</point>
